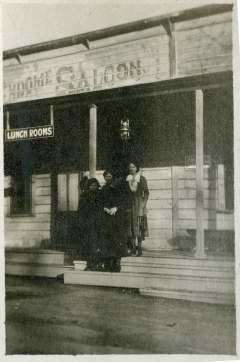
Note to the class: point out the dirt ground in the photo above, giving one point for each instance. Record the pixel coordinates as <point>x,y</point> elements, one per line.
<point>45,316</point>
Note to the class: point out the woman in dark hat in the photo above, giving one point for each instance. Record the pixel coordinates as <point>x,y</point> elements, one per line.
<point>90,214</point>
<point>114,222</point>
<point>138,191</point>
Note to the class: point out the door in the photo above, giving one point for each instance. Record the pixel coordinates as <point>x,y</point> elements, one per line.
<point>66,192</point>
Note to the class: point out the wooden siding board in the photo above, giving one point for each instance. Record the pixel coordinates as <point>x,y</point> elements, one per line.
<point>43,200</point>
<point>159,223</point>
<point>191,214</point>
<point>191,184</point>
<point>43,191</point>
<point>42,209</point>
<point>191,203</point>
<point>40,226</point>
<point>159,203</point>
<point>159,214</point>
<point>204,49</point>
<point>27,235</point>
<point>28,219</point>
<point>73,191</point>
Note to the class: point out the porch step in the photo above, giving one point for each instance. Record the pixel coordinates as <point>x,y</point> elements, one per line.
<point>147,280</point>
<point>37,270</point>
<point>153,262</point>
<point>35,262</point>
<point>36,256</point>
<point>210,281</point>
<point>206,297</point>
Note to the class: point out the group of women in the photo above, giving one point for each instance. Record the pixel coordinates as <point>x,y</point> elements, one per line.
<point>113,219</point>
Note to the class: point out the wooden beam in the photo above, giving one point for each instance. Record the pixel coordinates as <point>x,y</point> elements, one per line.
<point>93,140</point>
<point>200,251</point>
<point>169,27</point>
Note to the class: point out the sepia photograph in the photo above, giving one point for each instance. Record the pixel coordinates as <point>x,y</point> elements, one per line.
<point>119,146</point>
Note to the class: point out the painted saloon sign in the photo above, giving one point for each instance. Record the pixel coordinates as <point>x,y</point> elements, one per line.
<point>134,62</point>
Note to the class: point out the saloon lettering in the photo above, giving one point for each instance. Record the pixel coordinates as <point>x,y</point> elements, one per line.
<point>23,88</point>
<point>70,79</point>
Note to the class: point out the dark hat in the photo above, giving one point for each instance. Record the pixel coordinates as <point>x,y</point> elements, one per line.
<point>92,181</point>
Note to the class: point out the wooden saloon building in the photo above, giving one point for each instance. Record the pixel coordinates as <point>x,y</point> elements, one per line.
<point>64,101</point>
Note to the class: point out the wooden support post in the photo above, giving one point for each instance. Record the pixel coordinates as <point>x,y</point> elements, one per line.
<point>200,252</point>
<point>220,186</point>
<point>51,115</point>
<point>93,141</point>
<point>7,121</point>
<point>175,207</point>
<point>169,27</point>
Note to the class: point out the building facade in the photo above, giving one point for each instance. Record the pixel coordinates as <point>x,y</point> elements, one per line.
<point>171,77</point>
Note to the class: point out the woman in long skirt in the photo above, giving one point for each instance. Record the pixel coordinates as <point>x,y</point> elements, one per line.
<point>138,191</point>
<point>90,215</point>
<point>114,222</point>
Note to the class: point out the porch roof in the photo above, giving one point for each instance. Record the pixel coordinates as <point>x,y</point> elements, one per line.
<point>118,30</point>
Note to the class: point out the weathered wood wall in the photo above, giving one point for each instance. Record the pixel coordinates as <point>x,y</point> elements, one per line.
<point>171,205</point>
<point>29,231</point>
<point>201,46</point>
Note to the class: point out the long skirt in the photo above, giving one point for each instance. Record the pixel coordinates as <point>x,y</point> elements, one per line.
<point>138,225</point>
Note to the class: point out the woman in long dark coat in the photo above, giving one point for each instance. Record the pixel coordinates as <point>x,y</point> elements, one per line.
<point>138,193</point>
<point>90,216</point>
<point>115,201</point>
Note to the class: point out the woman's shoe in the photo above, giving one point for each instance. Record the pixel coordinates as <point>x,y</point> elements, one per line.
<point>139,252</point>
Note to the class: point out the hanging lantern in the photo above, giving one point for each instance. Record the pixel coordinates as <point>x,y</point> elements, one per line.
<point>125,129</point>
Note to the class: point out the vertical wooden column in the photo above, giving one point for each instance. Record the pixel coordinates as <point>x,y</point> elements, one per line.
<point>175,211</point>
<point>200,252</point>
<point>7,121</point>
<point>93,140</point>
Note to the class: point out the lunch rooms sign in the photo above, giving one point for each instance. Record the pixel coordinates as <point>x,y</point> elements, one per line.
<point>133,62</point>
<point>20,134</point>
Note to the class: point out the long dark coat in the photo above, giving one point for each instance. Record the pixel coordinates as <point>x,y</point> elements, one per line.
<point>138,226</point>
<point>90,223</point>
<point>114,228</point>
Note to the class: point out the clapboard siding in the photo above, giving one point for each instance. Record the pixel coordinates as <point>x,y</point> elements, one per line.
<point>43,200</point>
<point>29,231</point>
<point>28,219</point>
<point>159,207</point>
<point>43,191</point>
<point>190,194</point>
<point>163,173</point>
<point>42,209</point>
<point>159,213</point>
<point>160,184</point>
<point>190,214</point>
<point>191,203</point>
<point>162,222</point>
<point>185,224</point>
<point>157,194</point>
<point>191,184</point>
<point>204,46</point>
<point>24,226</point>
<point>159,203</point>
<point>42,182</point>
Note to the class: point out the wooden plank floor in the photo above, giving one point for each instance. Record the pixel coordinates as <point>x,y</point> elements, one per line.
<point>47,317</point>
